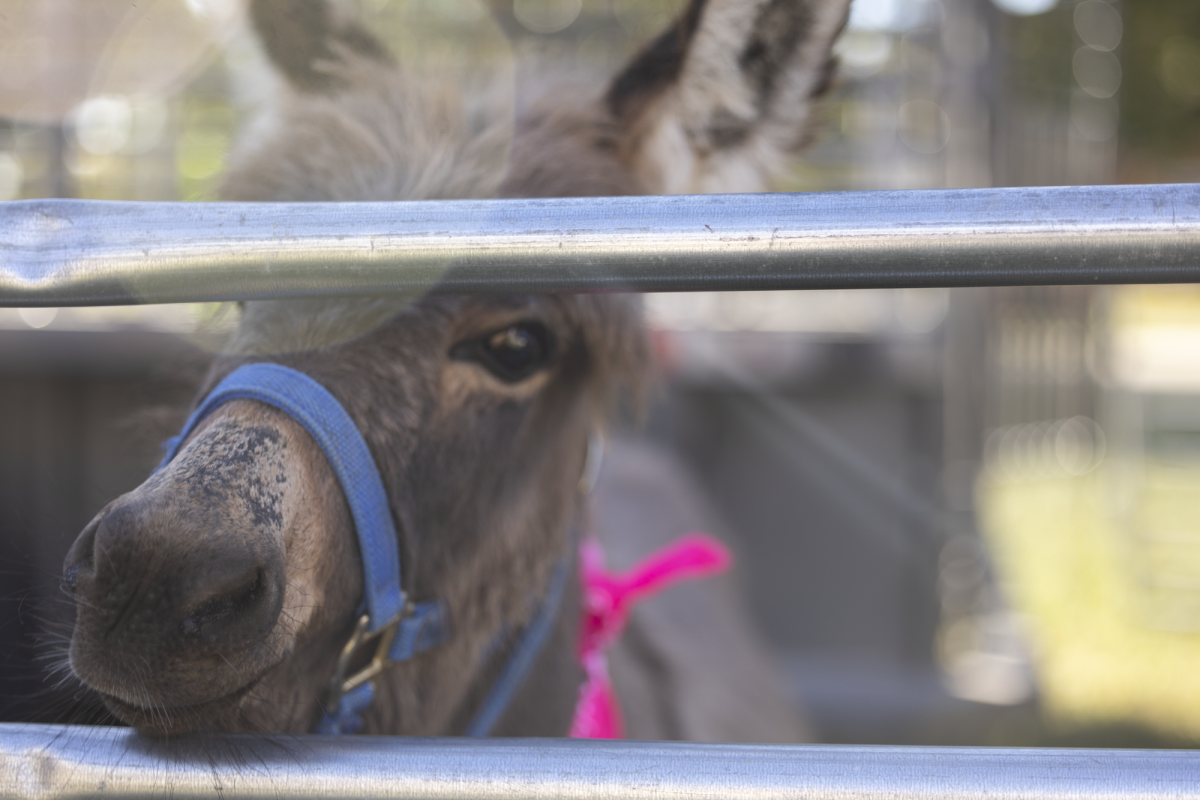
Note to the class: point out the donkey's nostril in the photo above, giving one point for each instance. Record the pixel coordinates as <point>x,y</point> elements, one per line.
<point>81,555</point>
<point>236,599</point>
<point>70,581</point>
<point>230,602</point>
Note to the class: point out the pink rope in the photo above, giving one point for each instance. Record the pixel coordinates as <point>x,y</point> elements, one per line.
<point>608,598</point>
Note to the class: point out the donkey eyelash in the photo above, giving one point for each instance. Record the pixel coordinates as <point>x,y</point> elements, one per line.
<point>512,353</point>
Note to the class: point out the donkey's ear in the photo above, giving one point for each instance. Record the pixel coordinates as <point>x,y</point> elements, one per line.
<point>308,39</point>
<point>719,101</point>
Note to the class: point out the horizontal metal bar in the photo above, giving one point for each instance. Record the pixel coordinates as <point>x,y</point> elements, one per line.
<point>75,252</point>
<point>43,761</point>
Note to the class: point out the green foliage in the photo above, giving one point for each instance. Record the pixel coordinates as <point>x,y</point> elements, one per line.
<point>1160,93</point>
<point>1070,568</point>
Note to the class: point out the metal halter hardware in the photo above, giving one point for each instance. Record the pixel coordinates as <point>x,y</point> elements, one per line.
<point>339,684</point>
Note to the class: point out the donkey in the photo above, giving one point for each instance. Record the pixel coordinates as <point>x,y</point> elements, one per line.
<point>219,594</point>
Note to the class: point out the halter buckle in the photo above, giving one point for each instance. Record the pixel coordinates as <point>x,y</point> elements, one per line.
<point>339,684</point>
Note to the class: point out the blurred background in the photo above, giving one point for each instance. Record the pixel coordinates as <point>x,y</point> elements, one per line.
<point>963,516</point>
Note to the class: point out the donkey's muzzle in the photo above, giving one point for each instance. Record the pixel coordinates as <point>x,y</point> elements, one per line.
<point>175,597</point>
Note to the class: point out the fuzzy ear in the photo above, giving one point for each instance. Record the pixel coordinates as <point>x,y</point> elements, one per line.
<point>719,101</point>
<point>306,39</point>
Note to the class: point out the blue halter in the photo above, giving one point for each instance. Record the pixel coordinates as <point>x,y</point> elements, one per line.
<point>397,628</point>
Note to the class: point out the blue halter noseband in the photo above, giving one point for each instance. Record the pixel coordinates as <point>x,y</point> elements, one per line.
<point>398,628</point>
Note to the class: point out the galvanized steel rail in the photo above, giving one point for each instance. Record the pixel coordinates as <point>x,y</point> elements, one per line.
<point>61,253</point>
<point>40,762</point>
<point>74,252</point>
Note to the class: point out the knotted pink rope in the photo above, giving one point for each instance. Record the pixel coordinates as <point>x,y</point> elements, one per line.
<point>608,597</point>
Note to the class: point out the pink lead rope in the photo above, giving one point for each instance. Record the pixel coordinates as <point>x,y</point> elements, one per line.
<point>608,597</point>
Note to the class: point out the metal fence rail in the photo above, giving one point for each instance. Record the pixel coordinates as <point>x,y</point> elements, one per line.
<point>60,252</point>
<point>43,761</point>
<point>72,252</point>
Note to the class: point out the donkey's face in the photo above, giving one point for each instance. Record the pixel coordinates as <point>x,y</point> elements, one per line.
<point>218,594</point>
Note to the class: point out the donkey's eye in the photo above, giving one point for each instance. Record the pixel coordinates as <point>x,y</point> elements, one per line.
<point>511,354</point>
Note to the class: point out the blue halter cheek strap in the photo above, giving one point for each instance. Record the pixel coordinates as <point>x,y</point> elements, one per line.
<point>396,628</point>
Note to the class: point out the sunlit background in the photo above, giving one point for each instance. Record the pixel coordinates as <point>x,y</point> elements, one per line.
<point>964,517</point>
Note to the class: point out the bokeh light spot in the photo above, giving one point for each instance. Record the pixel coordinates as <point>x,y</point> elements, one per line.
<point>1025,8</point>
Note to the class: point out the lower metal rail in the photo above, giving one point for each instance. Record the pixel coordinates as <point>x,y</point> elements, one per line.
<point>43,761</point>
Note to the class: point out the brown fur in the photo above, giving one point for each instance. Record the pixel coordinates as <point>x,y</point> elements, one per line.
<point>216,595</point>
